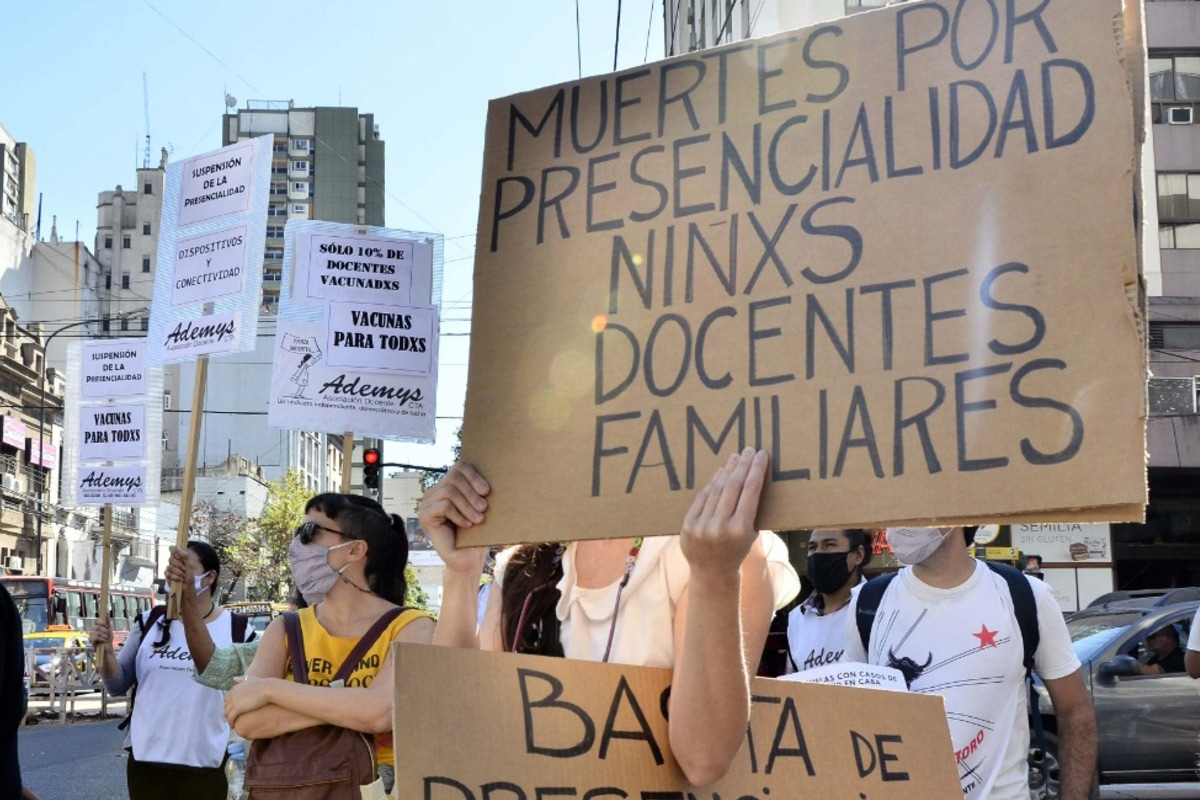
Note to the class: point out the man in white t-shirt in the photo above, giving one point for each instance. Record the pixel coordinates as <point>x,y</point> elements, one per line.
<point>1191,658</point>
<point>948,623</point>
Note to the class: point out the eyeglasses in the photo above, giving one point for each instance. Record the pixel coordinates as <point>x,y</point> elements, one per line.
<point>305,531</point>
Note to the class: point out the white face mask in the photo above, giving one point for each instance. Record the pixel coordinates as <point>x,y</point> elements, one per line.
<point>199,581</point>
<point>914,545</point>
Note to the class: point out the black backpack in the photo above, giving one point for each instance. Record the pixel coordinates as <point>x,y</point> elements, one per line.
<point>1024,606</point>
<point>239,625</point>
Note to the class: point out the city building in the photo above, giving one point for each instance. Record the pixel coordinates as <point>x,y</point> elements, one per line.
<point>18,201</point>
<point>328,165</point>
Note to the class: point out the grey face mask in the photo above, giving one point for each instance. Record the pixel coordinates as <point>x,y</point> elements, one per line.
<point>311,571</point>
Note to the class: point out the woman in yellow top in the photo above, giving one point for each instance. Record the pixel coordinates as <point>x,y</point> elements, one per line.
<point>347,560</point>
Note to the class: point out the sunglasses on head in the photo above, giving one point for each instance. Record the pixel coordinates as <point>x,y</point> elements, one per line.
<point>305,531</point>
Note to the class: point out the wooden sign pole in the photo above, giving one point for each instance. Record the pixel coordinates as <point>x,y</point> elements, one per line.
<point>105,571</point>
<point>189,476</point>
<point>347,458</point>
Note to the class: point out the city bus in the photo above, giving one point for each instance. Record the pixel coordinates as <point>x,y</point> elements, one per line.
<point>44,601</point>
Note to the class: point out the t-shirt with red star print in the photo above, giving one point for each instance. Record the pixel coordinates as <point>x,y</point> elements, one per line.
<point>965,645</point>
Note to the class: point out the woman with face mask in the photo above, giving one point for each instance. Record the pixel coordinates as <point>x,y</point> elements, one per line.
<point>816,629</point>
<point>347,560</point>
<point>177,732</point>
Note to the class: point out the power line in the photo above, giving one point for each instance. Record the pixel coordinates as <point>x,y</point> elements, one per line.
<point>578,44</point>
<point>649,25</point>
<point>617,41</point>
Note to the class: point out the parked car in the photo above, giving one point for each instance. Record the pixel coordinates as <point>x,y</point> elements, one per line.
<point>1149,725</point>
<point>49,648</point>
<point>260,613</point>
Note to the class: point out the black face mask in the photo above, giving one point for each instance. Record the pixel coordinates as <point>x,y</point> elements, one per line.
<point>828,571</point>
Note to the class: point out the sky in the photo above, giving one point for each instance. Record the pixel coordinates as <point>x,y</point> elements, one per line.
<point>73,90</point>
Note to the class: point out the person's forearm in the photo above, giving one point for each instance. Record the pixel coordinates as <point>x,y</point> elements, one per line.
<point>365,710</point>
<point>1077,752</point>
<point>271,720</point>
<point>458,620</point>
<point>710,690</point>
<point>1191,661</point>
<point>109,668</point>
<point>195,630</point>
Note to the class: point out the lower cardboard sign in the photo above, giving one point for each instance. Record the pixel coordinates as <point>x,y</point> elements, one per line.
<point>497,726</point>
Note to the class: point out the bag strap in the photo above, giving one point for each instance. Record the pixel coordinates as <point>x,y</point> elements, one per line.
<point>1024,606</point>
<point>295,646</point>
<point>154,616</point>
<point>366,643</point>
<point>869,597</point>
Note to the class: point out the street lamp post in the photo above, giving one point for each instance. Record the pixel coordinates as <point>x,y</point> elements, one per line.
<point>42,500</point>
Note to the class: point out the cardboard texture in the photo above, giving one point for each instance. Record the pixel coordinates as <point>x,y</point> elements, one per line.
<point>897,251</point>
<point>526,727</point>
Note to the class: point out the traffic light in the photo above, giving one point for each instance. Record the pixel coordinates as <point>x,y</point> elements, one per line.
<point>371,468</point>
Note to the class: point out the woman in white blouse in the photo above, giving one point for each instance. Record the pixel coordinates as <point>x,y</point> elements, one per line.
<point>699,603</point>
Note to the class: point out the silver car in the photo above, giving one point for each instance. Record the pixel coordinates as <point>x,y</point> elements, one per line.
<point>1149,725</point>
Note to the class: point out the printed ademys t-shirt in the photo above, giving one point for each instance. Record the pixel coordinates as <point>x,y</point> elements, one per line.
<point>815,639</point>
<point>964,644</point>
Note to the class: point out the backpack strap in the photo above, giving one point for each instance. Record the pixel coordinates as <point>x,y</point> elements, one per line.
<point>869,597</point>
<point>1024,606</point>
<point>239,625</point>
<point>366,643</point>
<point>295,646</point>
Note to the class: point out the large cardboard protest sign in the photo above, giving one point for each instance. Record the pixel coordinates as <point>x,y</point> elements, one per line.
<point>897,251</point>
<point>357,332</point>
<point>528,727</point>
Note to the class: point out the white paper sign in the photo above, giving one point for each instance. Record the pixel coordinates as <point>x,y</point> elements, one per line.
<point>113,369</point>
<point>308,393</point>
<point>360,268</point>
<point>214,333</point>
<point>863,676</point>
<point>216,184</point>
<point>210,267</point>
<point>114,432</point>
<point>1065,542</point>
<point>123,485</point>
<point>386,338</point>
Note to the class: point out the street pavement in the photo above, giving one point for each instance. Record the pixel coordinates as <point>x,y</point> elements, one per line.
<point>76,761</point>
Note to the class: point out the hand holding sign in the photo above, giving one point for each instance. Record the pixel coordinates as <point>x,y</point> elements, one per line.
<point>458,501</point>
<point>718,530</point>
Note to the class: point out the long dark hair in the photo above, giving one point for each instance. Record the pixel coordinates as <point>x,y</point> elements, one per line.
<point>386,536</point>
<point>211,563</point>
<point>529,589</point>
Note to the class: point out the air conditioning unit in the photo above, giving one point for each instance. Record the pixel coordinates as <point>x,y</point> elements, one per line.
<point>1179,115</point>
<point>15,562</point>
<point>9,482</point>
<point>1172,396</point>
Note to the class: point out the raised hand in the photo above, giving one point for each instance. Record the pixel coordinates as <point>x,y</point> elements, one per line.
<point>718,530</point>
<point>457,501</point>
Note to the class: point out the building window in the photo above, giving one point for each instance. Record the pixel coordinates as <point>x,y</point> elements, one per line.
<point>105,325</point>
<point>273,255</point>
<point>1178,196</point>
<point>276,211</point>
<point>1175,77</point>
<point>124,280</point>
<point>126,242</point>
<point>167,400</point>
<point>108,284</point>
<point>145,323</point>
<point>148,188</point>
<point>124,323</point>
<point>1175,336</point>
<point>299,209</point>
<point>279,169</point>
<point>145,228</point>
<point>299,144</point>
<point>300,187</point>
<point>166,441</point>
<point>280,147</point>
<point>274,232</point>
<point>145,263</point>
<point>108,243</point>
<point>300,166</point>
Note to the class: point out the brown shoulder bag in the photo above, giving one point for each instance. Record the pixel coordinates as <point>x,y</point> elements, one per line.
<point>325,762</point>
